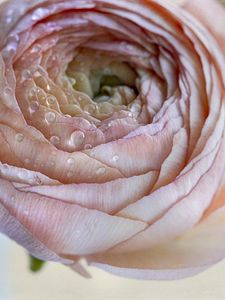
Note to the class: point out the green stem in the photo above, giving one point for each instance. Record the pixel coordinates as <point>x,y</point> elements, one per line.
<point>36,264</point>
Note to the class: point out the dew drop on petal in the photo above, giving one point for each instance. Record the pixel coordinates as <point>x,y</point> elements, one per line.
<point>36,48</point>
<point>77,138</point>
<point>26,74</point>
<point>100,171</point>
<point>129,47</point>
<point>34,106</point>
<point>8,20</point>
<point>90,109</point>
<point>8,52</point>
<point>55,140</point>
<point>72,80</point>
<point>19,137</point>
<point>70,160</point>
<point>7,90</point>
<point>88,146</point>
<point>50,117</point>
<point>51,100</point>
<point>39,13</point>
<point>115,158</point>
<point>69,174</point>
<point>135,107</point>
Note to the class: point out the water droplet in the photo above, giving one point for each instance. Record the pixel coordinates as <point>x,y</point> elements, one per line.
<point>8,52</point>
<point>19,137</point>
<point>88,146</point>
<point>70,160</point>
<point>100,171</point>
<point>115,158</point>
<point>52,163</point>
<point>72,80</point>
<point>48,87</point>
<point>7,90</point>
<point>26,74</point>
<point>13,198</point>
<point>34,106</point>
<point>90,109</point>
<point>13,38</point>
<point>51,100</point>
<point>32,92</point>
<point>55,140</point>
<point>77,138</point>
<point>39,13</point>
<point>50,117</point>
<point>8,20</point>
<point>135,107</point>
<point>129,47</point>
<point>69,174</point>
<point>36,74</point>
<point>36,48</point>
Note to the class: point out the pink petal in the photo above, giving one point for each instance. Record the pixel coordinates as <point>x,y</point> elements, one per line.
<point>193,252</point>
<point>205,11</point>
<point>108,197</point>
<point>87,231</point>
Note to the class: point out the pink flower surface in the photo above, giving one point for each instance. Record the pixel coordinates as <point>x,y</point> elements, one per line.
<point>112,133</point>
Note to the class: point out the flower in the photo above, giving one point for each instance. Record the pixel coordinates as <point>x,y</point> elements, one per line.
<point>112,134</point>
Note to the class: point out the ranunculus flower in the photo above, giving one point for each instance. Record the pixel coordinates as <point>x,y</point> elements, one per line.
<point>112,133</point>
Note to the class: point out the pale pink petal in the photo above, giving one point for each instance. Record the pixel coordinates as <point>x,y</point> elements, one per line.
<point>187,211</point>
<point>17,231</point>
<point>88,231</point>
<point>108,197</point>
<point>195,251</point>
<point>205,11</point>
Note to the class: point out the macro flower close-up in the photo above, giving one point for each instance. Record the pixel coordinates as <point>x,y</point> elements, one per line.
<point>112,145</point>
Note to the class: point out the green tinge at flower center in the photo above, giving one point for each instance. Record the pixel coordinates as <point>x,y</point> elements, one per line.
<point>103,79</point>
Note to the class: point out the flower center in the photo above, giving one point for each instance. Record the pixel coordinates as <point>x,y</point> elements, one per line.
<point>102,78</point>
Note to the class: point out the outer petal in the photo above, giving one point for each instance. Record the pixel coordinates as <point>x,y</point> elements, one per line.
<point>12,227</point>
<point>68,229</point>
<point>190,254</point>
<point>205,11</point>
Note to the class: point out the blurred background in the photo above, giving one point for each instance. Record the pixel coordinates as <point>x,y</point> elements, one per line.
<point>56,281</point>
